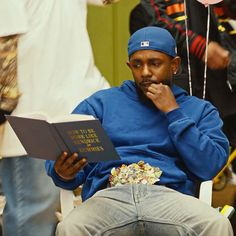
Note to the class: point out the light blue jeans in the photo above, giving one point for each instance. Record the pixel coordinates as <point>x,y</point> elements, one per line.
<point>135,210</point>
<point>32,198</point>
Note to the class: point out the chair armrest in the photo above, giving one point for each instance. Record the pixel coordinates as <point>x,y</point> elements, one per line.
<point>205,192</point>
<point>67,202</point>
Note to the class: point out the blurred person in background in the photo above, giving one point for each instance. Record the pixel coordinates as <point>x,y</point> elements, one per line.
<point>171,16</point>
<point>46,65</point>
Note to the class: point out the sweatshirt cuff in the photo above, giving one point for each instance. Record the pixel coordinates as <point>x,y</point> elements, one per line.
<point>69,185</point>
<point>175,115</point>
<point>198,46</point>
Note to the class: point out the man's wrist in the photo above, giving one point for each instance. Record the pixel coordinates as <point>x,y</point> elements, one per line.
<point>171,109</point>
<point>62,177</point>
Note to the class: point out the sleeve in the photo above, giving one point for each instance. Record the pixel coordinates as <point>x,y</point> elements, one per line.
<point>101,2</point>
<point>229,7</point>
<point>172,18</point>
<point>138,19</point>
<point>83,108</point>
<point>13,17</point>
<point>59,182</point>
<point>87,109</point>
<point>202,146</point>
<point>69,185</point>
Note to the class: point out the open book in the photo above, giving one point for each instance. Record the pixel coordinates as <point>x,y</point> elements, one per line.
<point>46,139</point>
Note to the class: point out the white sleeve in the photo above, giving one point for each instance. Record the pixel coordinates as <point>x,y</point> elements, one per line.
<point>101,2</point>
<point>13,17</point>
<point>95,2</point>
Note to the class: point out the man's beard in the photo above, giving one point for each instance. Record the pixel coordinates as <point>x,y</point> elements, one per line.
<point>142,88</point>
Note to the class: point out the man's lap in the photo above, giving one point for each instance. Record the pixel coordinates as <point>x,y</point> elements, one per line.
<point>140,207</point>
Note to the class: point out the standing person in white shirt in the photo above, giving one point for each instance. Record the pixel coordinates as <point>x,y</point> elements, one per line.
<point>45,49</point>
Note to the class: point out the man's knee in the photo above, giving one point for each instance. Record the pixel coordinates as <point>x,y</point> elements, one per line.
<point>68,227</point>
<point>219,224</point>
<point>221,221</point>
<point>60,228</point>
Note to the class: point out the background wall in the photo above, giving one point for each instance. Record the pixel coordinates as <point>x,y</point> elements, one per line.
<point>109,32</point>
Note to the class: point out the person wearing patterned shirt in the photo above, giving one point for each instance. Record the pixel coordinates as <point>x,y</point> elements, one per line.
<point>46,65</point>
<point>171,16</point>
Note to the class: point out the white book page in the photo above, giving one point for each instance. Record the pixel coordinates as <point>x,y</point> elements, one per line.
<point>43,116</point>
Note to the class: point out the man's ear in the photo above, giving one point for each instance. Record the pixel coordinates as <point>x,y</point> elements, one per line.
<point>175,64</point>
<point>128,64</point>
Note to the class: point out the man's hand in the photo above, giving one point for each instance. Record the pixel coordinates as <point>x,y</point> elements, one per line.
<point>68,166</point>
<point>162,97</point>
<point>217,57</point>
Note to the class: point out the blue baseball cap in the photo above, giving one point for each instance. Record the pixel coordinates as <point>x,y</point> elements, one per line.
<point>152,38</point>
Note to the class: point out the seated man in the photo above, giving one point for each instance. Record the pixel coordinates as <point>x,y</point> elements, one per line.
<point>174,139</point>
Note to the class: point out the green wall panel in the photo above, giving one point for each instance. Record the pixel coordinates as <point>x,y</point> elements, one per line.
<point>109,32</point>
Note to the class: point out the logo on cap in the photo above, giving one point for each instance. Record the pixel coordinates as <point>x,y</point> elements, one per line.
<point>144,44</point>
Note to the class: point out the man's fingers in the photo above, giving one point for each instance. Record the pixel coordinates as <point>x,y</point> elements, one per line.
<point>80,164</point>
<point>158,89</point>
<point>72,170</point>
<point>68,162</point>
<point>61,159</point>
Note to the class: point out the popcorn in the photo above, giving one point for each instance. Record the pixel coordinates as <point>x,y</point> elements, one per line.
<point>134,173</point>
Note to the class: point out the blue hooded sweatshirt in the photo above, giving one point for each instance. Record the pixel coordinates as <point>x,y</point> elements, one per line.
<point>187,144</point>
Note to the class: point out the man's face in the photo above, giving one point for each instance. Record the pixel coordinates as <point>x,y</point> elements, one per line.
<point>150,66</point>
